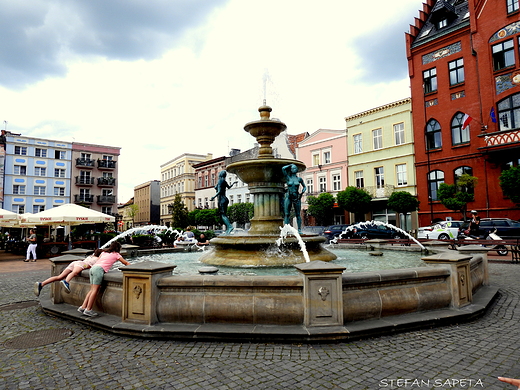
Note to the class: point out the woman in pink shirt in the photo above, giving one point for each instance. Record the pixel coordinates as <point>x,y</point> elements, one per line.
<point>105,262</point>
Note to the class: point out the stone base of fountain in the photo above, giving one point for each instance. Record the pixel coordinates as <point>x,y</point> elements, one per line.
<point>261,250</point>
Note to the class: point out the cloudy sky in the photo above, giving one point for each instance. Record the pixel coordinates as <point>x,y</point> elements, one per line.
<point>159,78</point>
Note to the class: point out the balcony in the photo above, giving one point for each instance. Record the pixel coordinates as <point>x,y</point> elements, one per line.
<point>85,163</point>
<point>106,181</point>
<point>84,181</point>
<point>106,164</point>
<point>106,199</point>
<point>86,199</point>
<point>380,192</point>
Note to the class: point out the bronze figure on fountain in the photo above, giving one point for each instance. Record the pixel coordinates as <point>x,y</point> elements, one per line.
<point>293,197</point>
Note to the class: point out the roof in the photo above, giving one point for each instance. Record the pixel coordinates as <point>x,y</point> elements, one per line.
<point>294,140</point>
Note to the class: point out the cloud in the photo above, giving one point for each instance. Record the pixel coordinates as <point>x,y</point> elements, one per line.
<point>40,36</point>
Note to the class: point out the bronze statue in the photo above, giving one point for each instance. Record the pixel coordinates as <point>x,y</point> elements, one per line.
<point>293,197</point>
<point>223,201</point>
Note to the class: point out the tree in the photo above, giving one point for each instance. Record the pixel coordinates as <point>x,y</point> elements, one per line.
<point>131,211</point>
<point>510,184</point>
<point>356,200</point>
<point>206,217</point>
<point>179,213</point>
<point>321,208</point>
<point>241,213</point>
<point>402,202</point>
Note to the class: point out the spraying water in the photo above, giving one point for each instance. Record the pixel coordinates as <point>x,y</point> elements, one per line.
<point>376,223</point>
<point>284,231</point>
<point>151,229</point>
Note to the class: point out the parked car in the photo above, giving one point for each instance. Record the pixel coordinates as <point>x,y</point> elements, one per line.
<point>505,228</point>
<point>334,231</point>
<point>319,230</point>
<point>371,231</point>
<point>444,230</point>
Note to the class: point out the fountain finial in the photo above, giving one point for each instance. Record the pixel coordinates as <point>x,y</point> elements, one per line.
<point>265,111</point>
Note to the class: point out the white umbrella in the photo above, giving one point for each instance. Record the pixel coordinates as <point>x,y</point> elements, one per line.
<point>8,218</point>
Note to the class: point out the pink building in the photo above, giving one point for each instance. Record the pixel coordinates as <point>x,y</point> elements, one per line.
<point>324,153</point>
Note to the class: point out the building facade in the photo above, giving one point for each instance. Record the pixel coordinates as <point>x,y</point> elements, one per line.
<point>94,176</point>
<point>381,158</point>
<point>206,174</point>
<point>147,197</point>
<point>464,69</point>
<point>178,178</point>
<point>37,174</point>
<point>324,153</point>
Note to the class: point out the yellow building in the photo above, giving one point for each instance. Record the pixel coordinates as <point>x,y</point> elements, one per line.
<point>178,177</point>
<point>381,157</point>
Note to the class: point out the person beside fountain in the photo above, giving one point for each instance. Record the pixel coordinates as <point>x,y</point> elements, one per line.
<point>223,201</point>
<point>103,265</point>
<point>293,197</point>
<point>202,240</point>
<point>68,273</point>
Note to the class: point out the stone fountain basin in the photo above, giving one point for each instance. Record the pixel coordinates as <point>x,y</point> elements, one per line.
<point>266,170</point>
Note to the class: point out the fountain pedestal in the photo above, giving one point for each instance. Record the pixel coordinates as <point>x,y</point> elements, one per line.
<point>266,182</point>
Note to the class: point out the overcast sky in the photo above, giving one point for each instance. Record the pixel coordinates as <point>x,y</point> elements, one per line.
<point>159,78</point>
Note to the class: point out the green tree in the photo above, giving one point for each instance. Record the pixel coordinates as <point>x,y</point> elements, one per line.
<point>321,208</point>
<point>402,202</point>
<point>510,184</point>
<point>206,217</point>
<point>356,200</point>
<point>241,213</point>
<point>131,211</point>
<point>179,213</point>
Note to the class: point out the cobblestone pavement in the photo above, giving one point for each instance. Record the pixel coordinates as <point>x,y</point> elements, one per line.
<point>464,356</point>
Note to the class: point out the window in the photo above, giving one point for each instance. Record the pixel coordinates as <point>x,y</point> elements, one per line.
<point>377,136</point>
<point>39,190</point>
<point>433,135</point>
<point>399,133</point>
<point>38,152</point>
<point>430,80</point>
<point>18,189</point>
<point>326,157</point>
<point>442,23</point>
<point>206,181</point>
<point>59,154</point>
<point>39,171</point>
<point>58,172</point>
<point>84,194</point>
<point>360,181</point>
<point>38,208</point>
<point>239,198</point>
<point>323,184</point>
<point>18,208</point>
<point>400,172</point>
<point>358,143</point>
<point>59,191</point>
<point>336,182</point>
<point>457,173</point>
<point>509,112</point>
<point>20,150</point>
<point>106,210</point>
<point>512,6</point>
<point>310,185</point>
<point>20,170</point>
<point>459,135</point>
<point>199,182</point>
<point>107,158</point>
<point>315,160</point>
<point>85,156</point>
<point>503,55</point>
<point>435,179</point>
<point>456,69</point>
<point>380,177</point>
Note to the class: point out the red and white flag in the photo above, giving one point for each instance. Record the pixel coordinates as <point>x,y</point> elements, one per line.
<point>466,121</point>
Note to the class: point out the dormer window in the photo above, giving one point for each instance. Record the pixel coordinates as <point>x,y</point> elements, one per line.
<point>442,23</point>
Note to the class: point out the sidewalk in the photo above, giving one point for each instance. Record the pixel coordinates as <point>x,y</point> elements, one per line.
<point>15,263</point>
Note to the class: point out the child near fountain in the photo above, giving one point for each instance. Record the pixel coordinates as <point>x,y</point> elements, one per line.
<point>103,265</point>
<point>68,273</point>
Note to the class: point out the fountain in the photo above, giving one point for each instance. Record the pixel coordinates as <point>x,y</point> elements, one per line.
<point>266,181</point>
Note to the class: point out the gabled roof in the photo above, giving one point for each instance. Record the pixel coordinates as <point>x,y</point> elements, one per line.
<point>294,140</point>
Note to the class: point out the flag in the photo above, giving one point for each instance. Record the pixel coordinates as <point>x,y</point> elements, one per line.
<point>466,120</point>
<point>493,115</point>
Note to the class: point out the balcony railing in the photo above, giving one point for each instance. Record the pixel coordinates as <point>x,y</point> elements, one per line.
<point>380,192</point>
<point>85,163</point>
<point>84,181</point>
<point>84,199</point>
<point>106,199</point>
<point>106,181</point>
<point>502,138</point>
<point>106,164</point>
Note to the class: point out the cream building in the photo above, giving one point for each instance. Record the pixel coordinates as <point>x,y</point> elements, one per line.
<point>381,157</point>
<point>178,177</point>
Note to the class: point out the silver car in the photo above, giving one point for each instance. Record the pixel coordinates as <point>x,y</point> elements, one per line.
<point>445,230</point>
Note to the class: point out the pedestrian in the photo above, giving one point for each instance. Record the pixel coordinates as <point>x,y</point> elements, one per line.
<point>31,249</point>
<point>474,224</point>
<point>103,265</point>
<point>68,273</point>
<point>202,240</point>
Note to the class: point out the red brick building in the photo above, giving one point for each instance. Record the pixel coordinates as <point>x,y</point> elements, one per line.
<point>464,60</point>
